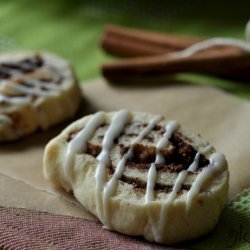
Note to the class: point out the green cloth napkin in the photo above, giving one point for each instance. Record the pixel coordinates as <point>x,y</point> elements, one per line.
<point>233,228</point>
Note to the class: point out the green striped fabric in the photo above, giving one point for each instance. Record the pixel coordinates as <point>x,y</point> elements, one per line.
<point>233,230</point>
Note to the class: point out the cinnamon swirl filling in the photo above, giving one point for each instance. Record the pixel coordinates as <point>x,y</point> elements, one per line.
<point>178,156</point>
<point>10,69</point>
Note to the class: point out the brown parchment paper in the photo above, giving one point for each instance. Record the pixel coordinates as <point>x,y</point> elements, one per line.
<point>222,119</point>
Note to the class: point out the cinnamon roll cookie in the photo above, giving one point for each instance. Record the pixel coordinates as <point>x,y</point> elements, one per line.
<point>37,90</point>
<point>141,174</point>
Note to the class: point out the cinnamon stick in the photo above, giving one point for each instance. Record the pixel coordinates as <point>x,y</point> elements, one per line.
<point>129,42</point>
<point>229,62</point>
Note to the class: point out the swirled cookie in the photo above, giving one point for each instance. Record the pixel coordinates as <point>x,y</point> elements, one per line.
<point>37,90</point>
<point>141,174</point>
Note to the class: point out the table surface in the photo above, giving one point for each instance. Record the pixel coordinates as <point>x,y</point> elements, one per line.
<point>73,29</point>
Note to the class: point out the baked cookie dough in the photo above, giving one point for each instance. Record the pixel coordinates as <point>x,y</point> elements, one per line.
<point>37,90</point>
<point>141,174</point>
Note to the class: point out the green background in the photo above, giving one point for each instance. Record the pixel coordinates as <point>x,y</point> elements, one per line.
<point>73,29</point>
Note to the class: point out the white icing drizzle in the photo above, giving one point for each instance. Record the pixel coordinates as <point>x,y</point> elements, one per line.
<point>170,128</point>
<point>15,100</point>
<point>39,84</point>
<point>152,173</point>
<point>13,72</point>
<point>217,161</point>
<point>115,129</point>
<point>217,164</point>
<point>5,119</point>
<point>110,187</point>
<point>33,86</point>
<point>79,143</point>
<point>163,142</point>
<point>197,47</point>
<point>206,149</point>
<point>176,188</point>
<point>151,180</point>
<point>195,164</point>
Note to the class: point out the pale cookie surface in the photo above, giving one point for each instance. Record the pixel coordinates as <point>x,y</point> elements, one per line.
<point>37,90</point>
<point>141,174</point>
